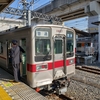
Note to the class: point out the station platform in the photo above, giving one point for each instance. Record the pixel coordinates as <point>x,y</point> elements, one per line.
<point>10,90</point>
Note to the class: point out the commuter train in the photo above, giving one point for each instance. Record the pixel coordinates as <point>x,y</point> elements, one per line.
<point>49,58</point>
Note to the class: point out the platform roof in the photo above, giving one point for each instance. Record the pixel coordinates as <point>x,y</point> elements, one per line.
<point>4,4</point>
<point>81,32</point>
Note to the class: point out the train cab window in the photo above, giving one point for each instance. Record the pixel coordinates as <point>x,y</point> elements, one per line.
<point>70,43</point>
<point>42,44</point>
<point>1,47</point>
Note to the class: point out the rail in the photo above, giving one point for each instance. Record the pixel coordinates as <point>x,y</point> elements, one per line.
<point>59,97</point>
<point>63,97</point>
<point>50,95</point>
<point>88,69</point>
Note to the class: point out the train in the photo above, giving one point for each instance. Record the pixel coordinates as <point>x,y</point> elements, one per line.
<point>49,58</point>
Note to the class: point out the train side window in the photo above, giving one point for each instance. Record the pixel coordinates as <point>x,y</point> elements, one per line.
<point>1,47</point>
<point>78,44</point>
<point>70,43</point>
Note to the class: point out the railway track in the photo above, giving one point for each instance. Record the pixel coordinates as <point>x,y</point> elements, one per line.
<point>88,69</point>
<point>63,97</point>
<point>58,97</point>
<point>54,96</point>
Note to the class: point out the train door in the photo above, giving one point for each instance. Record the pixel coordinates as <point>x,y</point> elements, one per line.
<point>59,56</point>
<point>23,57</point>
<point>9,58</point>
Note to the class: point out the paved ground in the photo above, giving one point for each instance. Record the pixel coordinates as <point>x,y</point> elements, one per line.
<point>10,90</point>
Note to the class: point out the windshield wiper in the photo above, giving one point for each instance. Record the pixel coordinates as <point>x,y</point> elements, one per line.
<point>70,54</point>
<point>46,56</point>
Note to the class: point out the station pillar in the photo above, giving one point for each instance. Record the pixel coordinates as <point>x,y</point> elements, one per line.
<point>93,12</point>
<point>99,43</point>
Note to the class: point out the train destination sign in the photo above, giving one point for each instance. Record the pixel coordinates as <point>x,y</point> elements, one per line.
<point>41,33</point>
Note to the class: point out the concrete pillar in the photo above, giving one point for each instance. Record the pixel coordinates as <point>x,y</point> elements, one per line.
<point>99,43</point>
<point>92,10</point>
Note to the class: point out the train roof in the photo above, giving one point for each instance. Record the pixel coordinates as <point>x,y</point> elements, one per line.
<point>13,30</point>
<point>27,27</point>
<point>51,25</point>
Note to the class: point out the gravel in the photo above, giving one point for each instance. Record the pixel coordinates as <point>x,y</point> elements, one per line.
<point>81,90</point>
<point>83,86</point>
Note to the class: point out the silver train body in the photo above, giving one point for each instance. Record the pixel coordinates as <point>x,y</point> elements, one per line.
<point>49,58</point>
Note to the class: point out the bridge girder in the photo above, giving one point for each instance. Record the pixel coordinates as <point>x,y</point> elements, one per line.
<point>67,9</point>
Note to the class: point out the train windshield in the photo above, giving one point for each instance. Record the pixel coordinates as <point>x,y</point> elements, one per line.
<point>70,43</point>
<point>42,44</point>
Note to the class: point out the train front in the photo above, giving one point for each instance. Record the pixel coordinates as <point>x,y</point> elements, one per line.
<point>52,56</point>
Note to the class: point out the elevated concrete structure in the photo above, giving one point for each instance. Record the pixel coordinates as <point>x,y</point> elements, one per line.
<point>67,9</point>
<point>4,4</point>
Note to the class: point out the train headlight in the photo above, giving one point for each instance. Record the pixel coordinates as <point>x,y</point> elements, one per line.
<point>71,61</point>
<point>38,67</point>
<point>41,67</point>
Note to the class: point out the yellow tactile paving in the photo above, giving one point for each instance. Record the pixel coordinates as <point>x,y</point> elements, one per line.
<point>7,84</point>
<point>4,95</point>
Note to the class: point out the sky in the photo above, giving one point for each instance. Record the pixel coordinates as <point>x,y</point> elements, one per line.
<point>37,3</point>
<point>80,23</point>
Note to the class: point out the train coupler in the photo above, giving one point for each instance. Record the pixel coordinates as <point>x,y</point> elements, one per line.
<point>60,91</point>
<point>61,86</point>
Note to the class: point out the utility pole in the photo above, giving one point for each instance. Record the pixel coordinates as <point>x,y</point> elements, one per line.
<point>29,18</point>
<point>24,17</point>
<point>26,12</point>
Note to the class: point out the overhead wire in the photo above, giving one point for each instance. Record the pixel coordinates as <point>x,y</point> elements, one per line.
<point>36,1</point>
<point>9,16</point>
<point>17,6</point>
<point>76,23</point>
